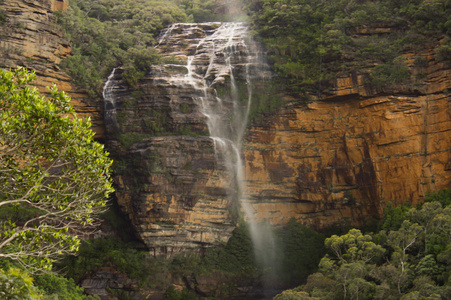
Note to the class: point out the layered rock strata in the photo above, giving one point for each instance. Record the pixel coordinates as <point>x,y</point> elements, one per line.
<point>31,38</point>
<point>173,182</point>
<point>341,158</point>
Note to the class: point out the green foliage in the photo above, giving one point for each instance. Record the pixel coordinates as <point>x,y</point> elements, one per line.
<point>128,139</point>
<point>94,254</point>
<point>353,247</point>
<point>236,255</point>
<point>57,287</point>
<point>235,260</point>
<point>442,196</point>
<point>203,10</point>
<point>415,251</point>
<point>392,72</point>
<point>53,176</point>
<point>106,34</point>
<point>265,98</point>
<point>16,284</point>
<point>173,294</point>
<point>294,294</point>
<point>393,217</point>
<point>444,50</point>
<point>313,41</point>
<point>2,16</point>
<point>302,248</point>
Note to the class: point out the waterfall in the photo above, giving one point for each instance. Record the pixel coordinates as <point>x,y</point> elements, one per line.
<point>109,101</point>
<point>220,65</point>
<point>164,34</point>
<point>213,69</point>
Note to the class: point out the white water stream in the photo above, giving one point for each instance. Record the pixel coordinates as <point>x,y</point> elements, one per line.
<point>110,101</point>
<point>231,55</point>
<point>221,69</point>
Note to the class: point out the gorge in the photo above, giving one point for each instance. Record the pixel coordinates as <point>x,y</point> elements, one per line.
<point>186,150</point>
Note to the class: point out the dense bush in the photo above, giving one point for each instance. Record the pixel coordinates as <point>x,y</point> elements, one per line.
<point>106,34</point>
<point>57,287</point>
<point>17,284</point>
<point>93,254</point>
<point>312,41</point>
<point>408,259</point>
<point>203,10</point>
<point>299,256</point>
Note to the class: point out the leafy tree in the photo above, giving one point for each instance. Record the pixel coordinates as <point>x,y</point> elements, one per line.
<point>350,265</point>
<point>353,247</point>
<point>401,240</point>
<point>393,217</point>
<point>53,176</point>
<point>16,284</point>
<point>426,216</point>
<point>442,196</point>
<point>302,247</point>
<point>57,287</point>
<point>408,270</point>
<point>203,10</point>
<point>294,295</point>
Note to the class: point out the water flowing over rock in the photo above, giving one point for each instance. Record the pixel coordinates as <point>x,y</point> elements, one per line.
<point>336,159</point>
<point>178,135</point>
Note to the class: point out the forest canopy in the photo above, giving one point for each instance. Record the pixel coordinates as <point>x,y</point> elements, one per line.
<point>310,41</point>
<point>408,258</point>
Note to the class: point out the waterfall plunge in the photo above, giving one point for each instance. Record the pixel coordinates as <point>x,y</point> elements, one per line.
<point>221,67</point>
<point>228,49</point>
<point>109,101</point>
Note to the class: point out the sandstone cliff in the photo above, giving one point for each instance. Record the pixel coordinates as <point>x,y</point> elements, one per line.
<point>30,38</point>
<point>176,191</point>
<point>344,156</point>
<point>339,158</point>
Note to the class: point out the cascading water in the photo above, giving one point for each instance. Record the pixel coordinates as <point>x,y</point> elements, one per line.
<point>213,68</point>
<point>110,102</point>
<point>226,106</point>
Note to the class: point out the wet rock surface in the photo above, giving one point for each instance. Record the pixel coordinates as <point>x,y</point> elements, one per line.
<point>339,158</point>
<point>176,189</point>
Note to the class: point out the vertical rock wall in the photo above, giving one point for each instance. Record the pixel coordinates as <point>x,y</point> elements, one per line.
<point>31,38</point>
<point>176,189</point>
<point>339,158</point>
<point>343,157</point>
<point>331,160</point>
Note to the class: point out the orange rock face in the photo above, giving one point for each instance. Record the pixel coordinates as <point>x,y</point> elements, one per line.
<point>30,38</point>
<point>343,157</point>
<point>337,159</point>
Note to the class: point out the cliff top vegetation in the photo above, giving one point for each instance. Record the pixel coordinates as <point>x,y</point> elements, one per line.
<point>110,33</point>
<point>308,41</point>
<point>312,41</point>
